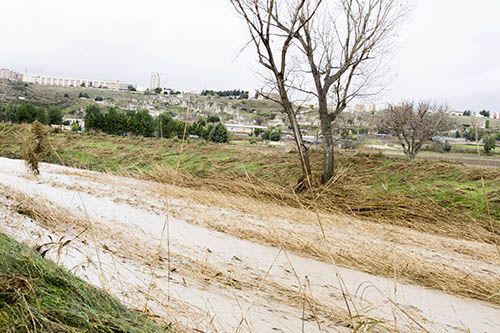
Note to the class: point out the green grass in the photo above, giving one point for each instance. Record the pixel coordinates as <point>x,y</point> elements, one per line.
<point>36,295</point>
<point>468,146</point>
<point>177,109</point>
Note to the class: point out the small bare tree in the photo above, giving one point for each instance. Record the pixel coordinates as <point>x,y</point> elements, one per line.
<point>274,51</point>
<point>415,124</point>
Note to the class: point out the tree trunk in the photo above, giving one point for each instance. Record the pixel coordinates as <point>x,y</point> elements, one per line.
<point>301,147</point>
<point>326,131</point>
<point>328,147</point>
<point>304,157</point>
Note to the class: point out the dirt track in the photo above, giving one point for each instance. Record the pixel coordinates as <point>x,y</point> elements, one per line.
<point>229,264</point>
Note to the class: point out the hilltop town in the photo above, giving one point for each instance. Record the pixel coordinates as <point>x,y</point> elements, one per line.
<point>242,116</point>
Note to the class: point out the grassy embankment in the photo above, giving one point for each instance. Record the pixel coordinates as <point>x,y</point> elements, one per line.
<point>36,295</point>
<point>433,196</point>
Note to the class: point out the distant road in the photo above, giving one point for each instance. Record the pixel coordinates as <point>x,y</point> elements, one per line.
<point>468,159</point>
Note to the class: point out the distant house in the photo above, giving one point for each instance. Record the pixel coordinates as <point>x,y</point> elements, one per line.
<point>239,129</point>
<point>269,95</point>
<point>81,122</point>
<point>456,113</point>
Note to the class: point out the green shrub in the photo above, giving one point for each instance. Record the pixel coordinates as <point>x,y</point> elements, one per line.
<point>219,134</point>
<point>446,147</point>
<point>489,144</point>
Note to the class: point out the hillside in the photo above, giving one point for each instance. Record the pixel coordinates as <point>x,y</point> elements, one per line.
<point>436,196</point>
<point>214,261</point>
<point>68,99</point>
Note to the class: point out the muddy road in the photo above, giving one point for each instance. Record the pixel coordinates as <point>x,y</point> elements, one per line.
<point>209,262</point>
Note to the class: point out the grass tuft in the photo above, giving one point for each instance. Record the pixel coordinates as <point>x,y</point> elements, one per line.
<point>36,295</point>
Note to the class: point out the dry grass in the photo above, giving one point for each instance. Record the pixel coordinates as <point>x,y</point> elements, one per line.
<point>347,194</point>
<point>125,246</point>
<point>437,197</point>
<point>373,248</point>
<point>376,258</point>
<point>35,147</point>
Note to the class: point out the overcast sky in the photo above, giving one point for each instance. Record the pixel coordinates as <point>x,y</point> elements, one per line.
<point>449,51</point>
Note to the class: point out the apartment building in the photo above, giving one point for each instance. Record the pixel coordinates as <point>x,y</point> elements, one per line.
<point>154,81</point>
<point>7,74</point>
<point>73,82</point>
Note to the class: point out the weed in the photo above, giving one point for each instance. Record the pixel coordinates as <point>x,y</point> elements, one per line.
<point>35,147</point>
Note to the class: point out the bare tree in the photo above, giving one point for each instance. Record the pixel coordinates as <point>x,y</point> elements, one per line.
<point>344,45</point>
<point>273,50</point>
<point>414,125</point>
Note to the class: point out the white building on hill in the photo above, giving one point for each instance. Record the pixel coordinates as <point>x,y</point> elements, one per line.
<point>239,129</point>
<point>154,81</point>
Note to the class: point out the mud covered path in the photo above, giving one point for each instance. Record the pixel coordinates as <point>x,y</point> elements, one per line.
<point>212,262</point>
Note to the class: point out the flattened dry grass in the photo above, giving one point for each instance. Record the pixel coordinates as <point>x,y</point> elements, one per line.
<point>443,198</point>
<point>38,296</point>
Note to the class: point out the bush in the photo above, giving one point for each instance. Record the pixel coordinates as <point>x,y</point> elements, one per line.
<point>470,135</point>
<point>440,147</point>
<point>272,134</point>
<point>219,134</point>
<point>436,146</point>
<point>489,144</point>
<point>275,136</point>
<point>213,119</point>
<point>76,127</point>
<point>55,116</point>
<point>446,147</point>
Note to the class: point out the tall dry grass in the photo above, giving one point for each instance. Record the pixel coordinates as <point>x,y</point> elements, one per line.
<point>35,146</point>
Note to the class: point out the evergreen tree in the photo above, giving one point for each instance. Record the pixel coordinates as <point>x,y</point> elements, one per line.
<point>93,118</point>
<point>11,113</point>
<point>198,128</point>
<point>3,114</point>
<point>219,134</point>
<point>55,115</point>
<point>26,113</point>
<point>41,115</point>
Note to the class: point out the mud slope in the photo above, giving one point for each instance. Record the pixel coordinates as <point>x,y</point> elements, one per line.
<point>229,264</point>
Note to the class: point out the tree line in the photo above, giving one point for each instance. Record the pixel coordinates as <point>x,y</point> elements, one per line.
<point>241,94</point>
<point>141,123</point>
<point>28,113</point>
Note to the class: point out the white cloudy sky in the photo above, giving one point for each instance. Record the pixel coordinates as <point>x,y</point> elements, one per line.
<point>449,51</point>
